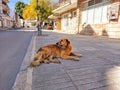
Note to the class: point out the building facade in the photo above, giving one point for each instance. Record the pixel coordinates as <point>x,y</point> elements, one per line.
<point>5,20</point>
<point>67,15</point>
<point>89,17</point>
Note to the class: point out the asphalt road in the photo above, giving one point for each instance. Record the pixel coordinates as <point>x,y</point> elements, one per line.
<point>13,47</point>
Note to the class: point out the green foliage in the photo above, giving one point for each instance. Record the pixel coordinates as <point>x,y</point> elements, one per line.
<point>44,9</point>
<point>19,7</point>
<point>29,12</point>
<point>33,23</point>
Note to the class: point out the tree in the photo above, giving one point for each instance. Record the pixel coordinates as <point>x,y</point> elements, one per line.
<point>44,10</point>
<point>19,7</point>
<point>29,13</point>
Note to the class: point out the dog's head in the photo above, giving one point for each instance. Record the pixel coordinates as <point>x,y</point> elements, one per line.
<point>63,43</point>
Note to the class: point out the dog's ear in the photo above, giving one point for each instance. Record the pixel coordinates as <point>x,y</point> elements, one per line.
<point>68,41</point>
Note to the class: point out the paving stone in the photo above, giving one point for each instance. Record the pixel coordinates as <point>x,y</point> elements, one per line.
<point>94,85</point>
<point>54,86</point>
<point>67,88</point>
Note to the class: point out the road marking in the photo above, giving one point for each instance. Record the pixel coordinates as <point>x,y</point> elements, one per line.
<point>28,85</point>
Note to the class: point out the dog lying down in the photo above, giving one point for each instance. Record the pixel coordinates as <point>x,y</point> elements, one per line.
<point>47,54</point>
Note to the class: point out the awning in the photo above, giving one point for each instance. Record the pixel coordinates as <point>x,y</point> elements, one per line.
<point>65,8</point>
<point>52,17</point>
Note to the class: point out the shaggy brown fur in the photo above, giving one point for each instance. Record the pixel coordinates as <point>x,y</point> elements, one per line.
<point>61,49</point>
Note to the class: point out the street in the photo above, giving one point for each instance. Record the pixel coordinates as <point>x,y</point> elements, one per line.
<point>13,47</point>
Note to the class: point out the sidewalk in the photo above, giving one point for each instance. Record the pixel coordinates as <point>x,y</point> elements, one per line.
<point>98,69</point>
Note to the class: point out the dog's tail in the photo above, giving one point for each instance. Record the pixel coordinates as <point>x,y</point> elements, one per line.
<point>39,58</point>
<point>35,62</point>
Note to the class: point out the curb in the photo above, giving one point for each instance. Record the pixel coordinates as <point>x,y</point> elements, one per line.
<point>24,77</point>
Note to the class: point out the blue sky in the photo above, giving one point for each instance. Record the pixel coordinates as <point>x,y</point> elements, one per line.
<point>11,3</point>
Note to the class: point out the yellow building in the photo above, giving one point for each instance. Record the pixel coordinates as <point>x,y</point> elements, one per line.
<point>5,20</point>
<point>89,17</point>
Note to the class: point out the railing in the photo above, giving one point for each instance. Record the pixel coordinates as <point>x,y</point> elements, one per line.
<point>55,6</point>
<point>5,7</point>
<point>64,2</point>
<point>5,1</point>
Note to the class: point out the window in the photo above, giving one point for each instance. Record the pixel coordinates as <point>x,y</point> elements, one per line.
<point>98,1</point>
<point>97,14</point>
<point>85,5</point>
<point>74,21</point>
<point>84,16</point>
<point>90,15</point>
<point>95,11</point>
<point>104,13</point>
<point>91,2</point>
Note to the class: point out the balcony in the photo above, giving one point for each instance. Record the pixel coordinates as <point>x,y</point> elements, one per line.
<point>5,7</point>
<point>65,5</point>
<point>64,2</point>
<point>6,1</point>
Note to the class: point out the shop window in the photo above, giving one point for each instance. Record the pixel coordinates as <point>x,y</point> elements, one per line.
<point>74,21</point>
<point>104,13</point>
<point>94,11</point>
<point>84,16</point>
<point>90,16</point>
<point>97,14</point>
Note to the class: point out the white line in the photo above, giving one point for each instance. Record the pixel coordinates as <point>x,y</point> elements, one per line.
<point>28,85</point>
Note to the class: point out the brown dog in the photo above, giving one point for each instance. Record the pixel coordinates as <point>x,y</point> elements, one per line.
<point>61,49</point>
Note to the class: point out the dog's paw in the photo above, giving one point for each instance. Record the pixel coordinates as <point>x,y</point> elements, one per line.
<point>59,62</point>
<point>34,64</point>
<point>77,59</point>
<point>46,62</point>
<point>80,55</point>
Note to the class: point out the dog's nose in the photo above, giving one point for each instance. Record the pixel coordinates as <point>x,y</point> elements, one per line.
<point>57,43</point>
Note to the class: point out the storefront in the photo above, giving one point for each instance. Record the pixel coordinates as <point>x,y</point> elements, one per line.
<point>68,21</point>
<point>94,17</point>
<point>100,17</point>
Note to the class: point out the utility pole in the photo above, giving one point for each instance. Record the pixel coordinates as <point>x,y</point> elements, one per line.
<point>38,22</point>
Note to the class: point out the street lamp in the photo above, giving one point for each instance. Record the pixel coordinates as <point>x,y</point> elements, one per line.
<point>38,23</point>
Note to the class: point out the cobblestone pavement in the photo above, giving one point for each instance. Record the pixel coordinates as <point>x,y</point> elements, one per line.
<point>98,69</point>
